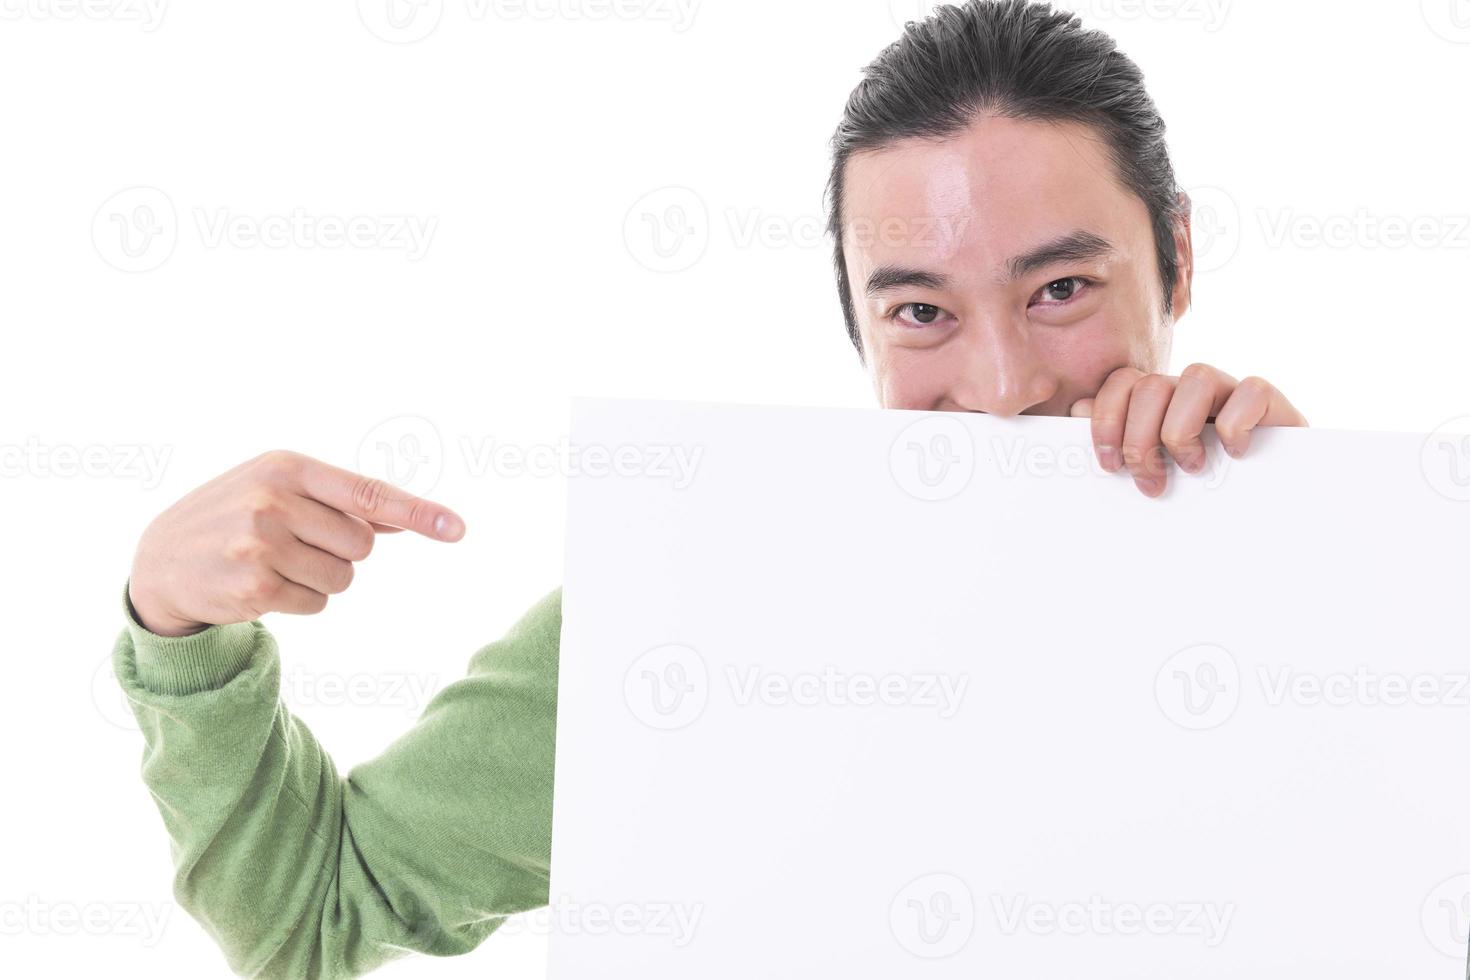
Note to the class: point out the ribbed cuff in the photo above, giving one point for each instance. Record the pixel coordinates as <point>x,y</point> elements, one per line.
<point>203,661</point>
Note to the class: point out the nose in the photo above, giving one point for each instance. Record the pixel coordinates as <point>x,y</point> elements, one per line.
<point>999,371</point>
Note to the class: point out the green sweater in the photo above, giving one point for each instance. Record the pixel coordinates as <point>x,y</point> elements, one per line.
<point>300,872</point>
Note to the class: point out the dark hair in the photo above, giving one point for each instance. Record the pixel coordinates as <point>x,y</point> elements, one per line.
<point>1018,59</point>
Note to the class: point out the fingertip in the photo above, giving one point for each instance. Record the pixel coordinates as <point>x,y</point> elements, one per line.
<point>1150,486</point>
<point>1191,461</point>
<point>1082,409</point>
<point>448,527</point>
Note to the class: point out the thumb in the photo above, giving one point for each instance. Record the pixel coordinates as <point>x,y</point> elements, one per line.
<point>1082,409</point>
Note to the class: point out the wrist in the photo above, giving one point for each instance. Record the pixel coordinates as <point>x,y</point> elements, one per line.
<point>160,625</point>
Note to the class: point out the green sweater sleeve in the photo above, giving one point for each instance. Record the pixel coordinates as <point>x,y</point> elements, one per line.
<point>298,872</point>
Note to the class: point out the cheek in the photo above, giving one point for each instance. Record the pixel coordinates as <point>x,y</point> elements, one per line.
<point>911,379</point>
<point>1085,353</point>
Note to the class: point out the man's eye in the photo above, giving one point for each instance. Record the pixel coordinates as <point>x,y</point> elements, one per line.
<point>1062,290</point>
<point>920,314</point>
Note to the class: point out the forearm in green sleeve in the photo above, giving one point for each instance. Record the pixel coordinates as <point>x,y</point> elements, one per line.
<point>300,873</point>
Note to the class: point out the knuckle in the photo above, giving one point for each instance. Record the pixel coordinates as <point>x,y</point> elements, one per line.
<point>1180,446</point>
<point>275,463</point>
<point>1198,372</point>
<point>369,494</point>
<point>248,549</point>
<point>1257,385</point>
<point>1154,385</point>
<point>419,513</point>
<point>1179,439</point>
<point>257,587</point>
<point>263,511</point>
<point>262,501</point>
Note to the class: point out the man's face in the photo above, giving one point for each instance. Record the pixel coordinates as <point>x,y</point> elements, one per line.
<point>1003,270</point>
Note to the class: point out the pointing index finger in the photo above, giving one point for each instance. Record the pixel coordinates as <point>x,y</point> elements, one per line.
<point>378,501</point>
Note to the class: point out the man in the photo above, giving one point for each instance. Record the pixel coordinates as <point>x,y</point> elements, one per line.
<point>1009,239</point>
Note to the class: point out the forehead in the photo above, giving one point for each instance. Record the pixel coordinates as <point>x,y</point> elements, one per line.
<point>991,191</point>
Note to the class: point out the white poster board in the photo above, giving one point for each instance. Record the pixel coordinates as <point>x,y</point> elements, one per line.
<point>875,694</point>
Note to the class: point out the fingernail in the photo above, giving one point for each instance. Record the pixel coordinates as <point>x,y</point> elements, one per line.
<point>1149,485</point>
<point>1108,457</point>
<point>447,527</point>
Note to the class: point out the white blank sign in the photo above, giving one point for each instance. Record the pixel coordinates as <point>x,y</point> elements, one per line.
<point>877,694</point>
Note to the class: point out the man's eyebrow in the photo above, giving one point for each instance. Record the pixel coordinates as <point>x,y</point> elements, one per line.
<point>1069,248</point>
<point>887,277</point>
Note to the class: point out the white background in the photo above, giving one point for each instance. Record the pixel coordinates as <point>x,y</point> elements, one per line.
<point>527,135</point>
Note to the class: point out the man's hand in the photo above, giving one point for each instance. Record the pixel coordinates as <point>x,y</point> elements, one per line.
<point>277,533</point>
<point>1140,420</point>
